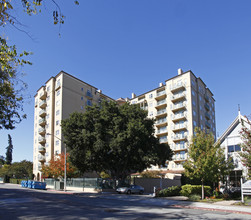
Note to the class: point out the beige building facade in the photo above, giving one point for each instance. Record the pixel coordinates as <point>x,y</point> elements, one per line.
<point>179,105</point>
<point>60,96</point>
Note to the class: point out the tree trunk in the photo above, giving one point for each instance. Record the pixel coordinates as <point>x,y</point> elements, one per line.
<point>202,189</point>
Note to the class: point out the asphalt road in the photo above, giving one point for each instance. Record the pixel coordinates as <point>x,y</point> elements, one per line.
<point>18,203</point>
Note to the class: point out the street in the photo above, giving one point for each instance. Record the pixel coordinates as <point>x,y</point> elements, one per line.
<point>19,203</point>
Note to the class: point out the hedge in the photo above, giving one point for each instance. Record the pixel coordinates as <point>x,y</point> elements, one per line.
<point>170,191</point>
<point>16,181</point>
<point>188,190</point>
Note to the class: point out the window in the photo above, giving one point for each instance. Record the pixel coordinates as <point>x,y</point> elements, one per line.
<point>48,98</point>
<point>194,123</point>
<point>82,89</point>
<point>150,95</point>
<point>82,107</point>
<point>151,104</point>
<point>57,122</point>
<point>194,113</point>
<point>56,152</point>
<point>58,103</point>
<point>57,142</point>
<point>193,93</point>
<point>89,102</point>
<point>57,112</point>
<point>57,132</point>
<point>193,83</point>
<point>58,92</point>
<point>234,148</point>
<point>200,97</point>
<point>151,113</point>
<point>48,88</point>
<point>89,93</point>
<point>194,103</point>
<point>82,98</point>
<point>47,116</point>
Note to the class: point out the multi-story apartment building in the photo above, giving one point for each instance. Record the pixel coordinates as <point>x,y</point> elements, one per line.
<point>179,105</point>
<point>60,96</point>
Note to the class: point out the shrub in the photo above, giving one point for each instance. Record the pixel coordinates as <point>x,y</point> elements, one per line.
<point>16,181</point>
<point>170,191</point>
<point>194,197</point>
<point>188,190</point>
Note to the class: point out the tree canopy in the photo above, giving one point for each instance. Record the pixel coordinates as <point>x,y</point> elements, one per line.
<point>9,150</point>
<point>206,160</point>
<point>56,167</point>
<point>11,87</point>
<point>246,146</point>
<point>116,139</point>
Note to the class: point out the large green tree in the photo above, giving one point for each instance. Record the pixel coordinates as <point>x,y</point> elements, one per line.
<point>17,170</point>
<point>206,160</point>
<point>11,86</point>
<point>9,150</point>
<point>246,146</point>
<point>116,139</point>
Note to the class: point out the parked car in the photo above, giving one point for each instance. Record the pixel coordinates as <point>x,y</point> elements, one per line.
<point>130,189</point>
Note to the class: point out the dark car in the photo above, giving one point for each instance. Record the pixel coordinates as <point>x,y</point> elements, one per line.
<point>130,189</point>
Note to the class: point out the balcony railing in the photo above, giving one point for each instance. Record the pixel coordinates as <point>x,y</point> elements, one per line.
<point>42,113</point>
<point>207,106</point>
<point>161,102</point>
<point>41,130</point>
<point>162,131</point>
<point>41,139</point>
<point>179,117</point>
<point>89,94</point>
<point>163,140</point>
<point>41,148</point>
<point>179,127</point>
<point>42,104</point>
<point>178,96</point>
<point>162,111</point>
<point>177,86</point>
<point>179,158</point>
<point>161,121</point>
<point>208,125</point>
<point>207,115</point>
<point>160,95</point>
<point>41,157</point>
<point>178,106</point>
<point>179,137</point>
<point>43,94</point>
<point>42,121</point>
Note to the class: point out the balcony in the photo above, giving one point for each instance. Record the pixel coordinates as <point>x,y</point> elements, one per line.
<point>179,117</point>
<point>162,132</point>
<point>58,86</point>
<point>207,107</point>
<point>178,97</point>
<point>36,103</point>
<point>161,112</point>
<point>89,94</point>
<point>206,98</point>
<point>41,140</point>
<point>161,104</point>
<point>42,104</point>
<point>41,131</point>
<point>41,158</point>
<point>180,127</point>
<point>39,167</point>
<point>163,140</point>
<point>42,122</point>
<point>178,107</point>
<point>42,95</point>
<point>180,148</point>
<point>207,116</point>
<point>41,149</point>
<point>42,113</point>
<point>208,125</point>
<point>179,159</point>
<point>177,87</point>
<point>161,122</point>
<point>160,95</point>
<point>179,137</point>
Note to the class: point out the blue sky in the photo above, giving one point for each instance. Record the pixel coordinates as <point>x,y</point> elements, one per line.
<point>130,46</point>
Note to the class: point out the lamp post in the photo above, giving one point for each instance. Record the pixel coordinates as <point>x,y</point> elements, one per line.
<point>64,160</point>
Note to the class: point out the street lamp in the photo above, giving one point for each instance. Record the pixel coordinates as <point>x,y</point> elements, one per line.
<point>64,160</point>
